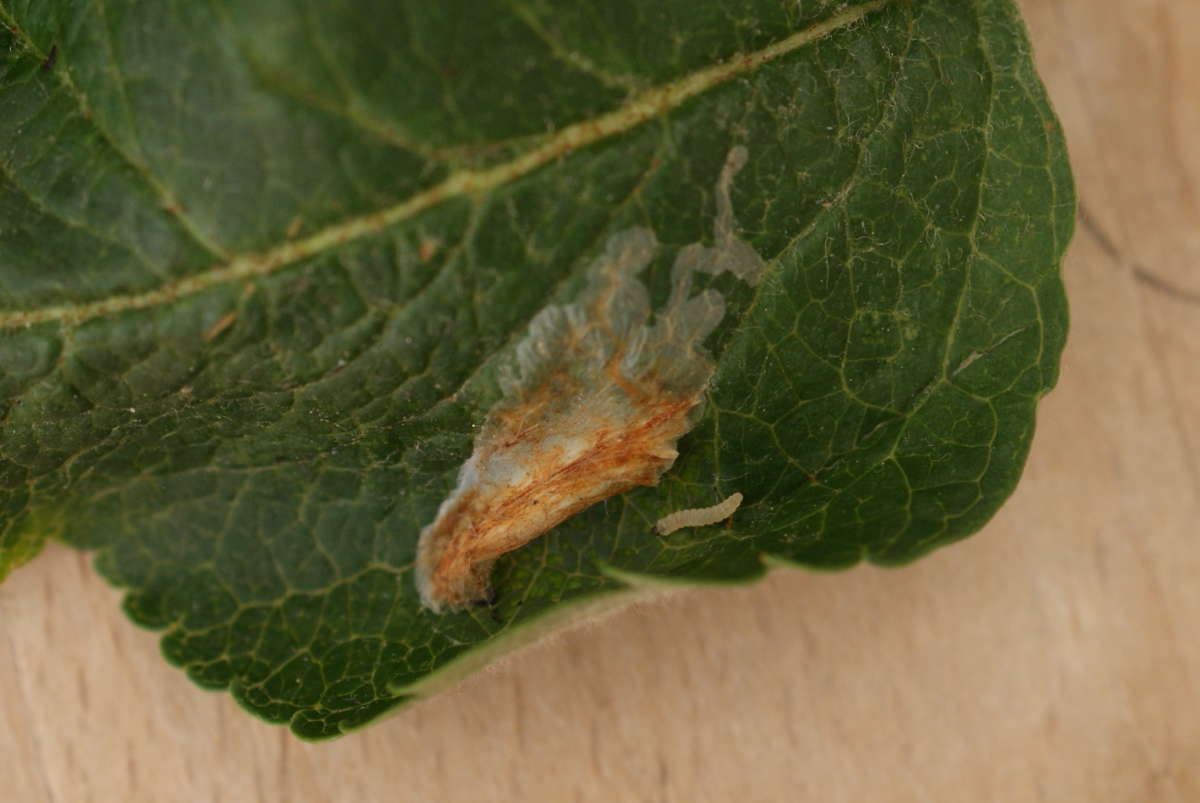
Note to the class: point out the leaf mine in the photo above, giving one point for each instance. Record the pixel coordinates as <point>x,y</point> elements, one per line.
<point>596,398</point>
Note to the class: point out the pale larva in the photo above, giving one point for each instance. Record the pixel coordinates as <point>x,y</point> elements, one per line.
<point>698,516</point>
<point>597,395</point>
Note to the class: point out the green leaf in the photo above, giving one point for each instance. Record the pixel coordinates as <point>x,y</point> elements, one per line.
<point>261,264</point>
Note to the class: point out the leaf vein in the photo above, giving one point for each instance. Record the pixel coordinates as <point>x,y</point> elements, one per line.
<point>642,108</point>
<point>167,198</point>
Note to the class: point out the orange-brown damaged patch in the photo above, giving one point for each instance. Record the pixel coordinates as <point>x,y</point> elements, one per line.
<point>599,392</point>
<point>428,248</point>
<point>559,476</point>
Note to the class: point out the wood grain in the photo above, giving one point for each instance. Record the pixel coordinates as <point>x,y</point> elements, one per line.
<point>1051,657</point>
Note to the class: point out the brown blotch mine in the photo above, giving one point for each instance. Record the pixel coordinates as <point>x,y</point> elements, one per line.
<point>595,400</point>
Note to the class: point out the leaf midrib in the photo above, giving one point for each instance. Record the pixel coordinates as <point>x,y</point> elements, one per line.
<point>644,107</point>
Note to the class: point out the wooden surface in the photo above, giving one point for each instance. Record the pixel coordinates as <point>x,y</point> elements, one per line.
<point>1052,657</point>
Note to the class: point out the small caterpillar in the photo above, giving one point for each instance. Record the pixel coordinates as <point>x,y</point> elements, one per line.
<point>698,516</point>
